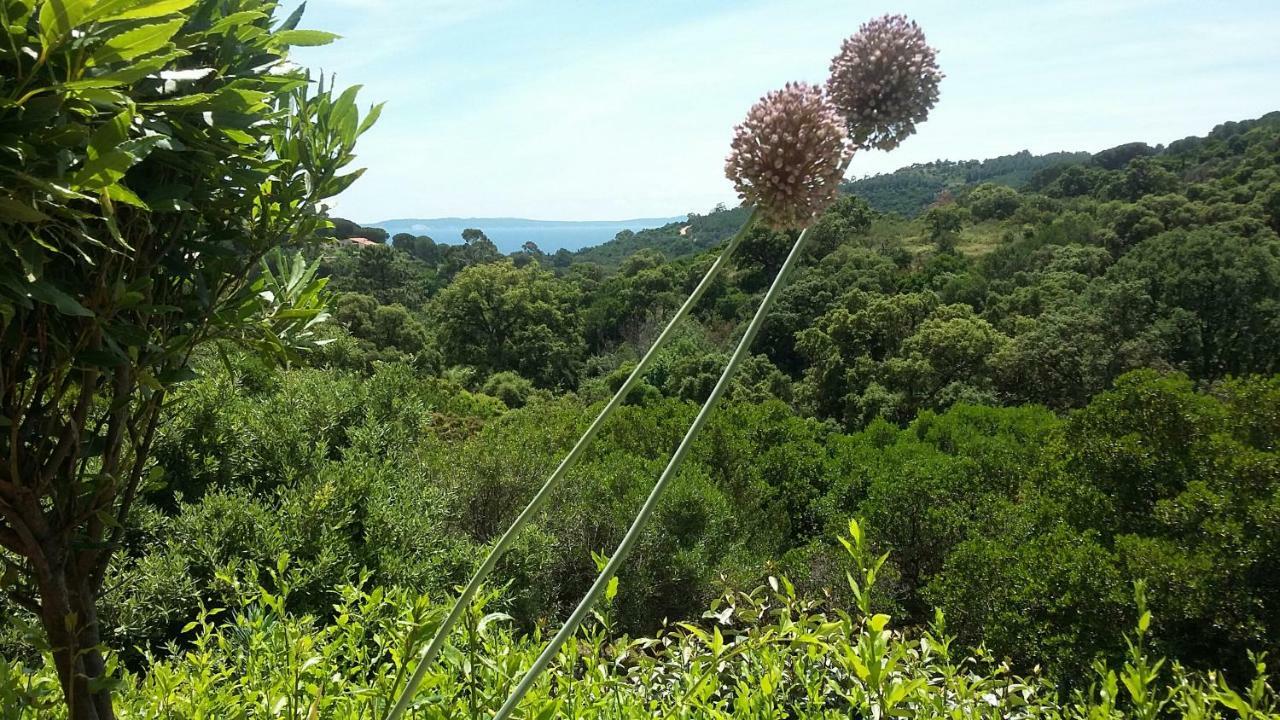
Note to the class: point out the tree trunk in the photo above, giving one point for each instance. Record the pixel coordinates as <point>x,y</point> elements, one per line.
<point>70,620</point>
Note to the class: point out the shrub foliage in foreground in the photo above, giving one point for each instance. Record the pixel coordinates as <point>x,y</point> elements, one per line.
<point>758,654</point>
<point>1026,528</point>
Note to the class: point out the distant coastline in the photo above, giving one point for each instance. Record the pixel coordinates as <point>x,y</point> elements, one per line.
<point>510,234</point>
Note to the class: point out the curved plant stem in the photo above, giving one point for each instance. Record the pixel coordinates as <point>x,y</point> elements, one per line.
<point>464,599</point>
<point>633,533</point>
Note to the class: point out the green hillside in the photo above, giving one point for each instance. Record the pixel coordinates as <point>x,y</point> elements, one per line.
<point>909,190</point>
<point>674,240</point>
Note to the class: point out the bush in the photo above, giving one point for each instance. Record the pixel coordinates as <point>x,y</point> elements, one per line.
<point>513,390</point>
<point>763,653</point>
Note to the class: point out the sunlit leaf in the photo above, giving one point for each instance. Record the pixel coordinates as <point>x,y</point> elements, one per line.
<point>137,42</point>
<point>139,9</point>
<point>58,18</point>
<point>304,38</point>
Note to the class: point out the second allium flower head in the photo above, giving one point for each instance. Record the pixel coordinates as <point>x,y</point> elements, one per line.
<point>788,156</point>
<point>885,81</point>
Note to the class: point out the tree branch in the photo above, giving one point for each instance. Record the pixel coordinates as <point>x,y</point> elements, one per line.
<point>141,453</point>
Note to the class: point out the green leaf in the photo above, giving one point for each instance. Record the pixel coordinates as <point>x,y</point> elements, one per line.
<point>43,292</point>
<point>14,211</point>
<point>492,618</point>
<point>110,134</point>
<point>58,191</point>
<point>120,193</point>
<point>239,137</point>
<point>19,11</point>
<point>549,711</point>
<point>139,9</point>
<point>104,170</point>
<point>294,18</point>
<point>197,99</point>
<point>137,71</point>
<point>234,20</point>
<point>32,259</point>
<point>343,182</point>
<point>111,154</point>
<point>91,83</point>
<point>58,18</point>
<point>374,113</point>
<point>136,42</point>
<point>239,100</point>
<point>101,96</point>
<point>303,38</point>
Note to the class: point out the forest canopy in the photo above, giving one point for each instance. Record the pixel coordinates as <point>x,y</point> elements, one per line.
<point>1045,389</point>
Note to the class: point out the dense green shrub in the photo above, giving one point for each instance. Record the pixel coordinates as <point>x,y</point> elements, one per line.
<point>1154,482</point>
<point>761,653</point>
<point>513,390</point>
<point>408,477</point>
<point>496,317</point>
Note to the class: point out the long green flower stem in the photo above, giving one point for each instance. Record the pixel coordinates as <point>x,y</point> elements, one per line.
<point>464,599</point>
<point>633,533</point>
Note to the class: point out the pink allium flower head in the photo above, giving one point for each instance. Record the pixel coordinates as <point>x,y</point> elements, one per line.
<point>885,81</point>
<point>788,155</point>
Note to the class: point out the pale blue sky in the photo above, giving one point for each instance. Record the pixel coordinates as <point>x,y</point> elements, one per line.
<point>611,109</point>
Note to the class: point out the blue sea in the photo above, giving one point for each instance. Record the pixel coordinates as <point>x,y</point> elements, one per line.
<point>510,234</point>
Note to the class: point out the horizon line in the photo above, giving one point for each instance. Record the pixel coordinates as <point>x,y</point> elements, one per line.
<point>668,218</point>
